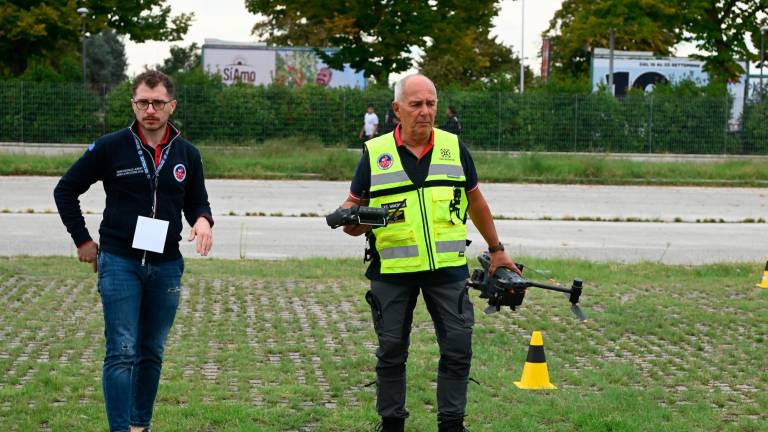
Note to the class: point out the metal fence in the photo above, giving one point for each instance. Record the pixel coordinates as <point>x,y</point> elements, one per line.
<point>218,114</point>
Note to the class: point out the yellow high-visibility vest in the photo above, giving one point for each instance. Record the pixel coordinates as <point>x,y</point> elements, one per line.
<point>427,228</point>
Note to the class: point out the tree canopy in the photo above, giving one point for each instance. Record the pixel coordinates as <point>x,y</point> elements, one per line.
<point>718,28</point>
<point>105,59</point>
<point>379,37</point>
<point>640,25</point>
<point>45,29</point>
<point>464,53</point>
<point>181,59</point>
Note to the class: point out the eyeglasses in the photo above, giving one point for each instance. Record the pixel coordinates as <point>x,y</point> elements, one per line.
<point>158,105</point>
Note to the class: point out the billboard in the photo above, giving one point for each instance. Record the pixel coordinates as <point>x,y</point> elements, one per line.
<point>256,64</point>
<point>642,70</point>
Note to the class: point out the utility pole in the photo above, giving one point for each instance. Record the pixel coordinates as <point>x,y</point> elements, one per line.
<point>83,14</point>
<point>763,30</point>
<point>522,50</point>
<point>610,64</point>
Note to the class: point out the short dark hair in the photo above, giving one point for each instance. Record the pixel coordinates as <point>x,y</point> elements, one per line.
<point>152,78</point>
<point>452,109</point>
<point>370,105</point>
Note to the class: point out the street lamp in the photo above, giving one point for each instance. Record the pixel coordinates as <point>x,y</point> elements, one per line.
<point>83,13</point>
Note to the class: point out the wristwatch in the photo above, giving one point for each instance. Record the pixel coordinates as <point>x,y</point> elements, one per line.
<point>498,248</point>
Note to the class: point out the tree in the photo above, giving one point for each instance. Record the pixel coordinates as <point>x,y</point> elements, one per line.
<point>45,29</point>
<point>181,60</point>
<point>463,53</point>
<point>376,37</point>
<point>640,25</point>
<point>718,28</point>
<point>105,59</point>
<point>469,57</point>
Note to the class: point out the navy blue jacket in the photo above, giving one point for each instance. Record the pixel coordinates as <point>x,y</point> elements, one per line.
<point>114,160</point>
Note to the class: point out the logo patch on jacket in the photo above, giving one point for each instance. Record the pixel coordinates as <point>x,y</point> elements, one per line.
<point>396,211</point>
<point>180,172</point>
<point>445,154</point>
<point>384,161</point>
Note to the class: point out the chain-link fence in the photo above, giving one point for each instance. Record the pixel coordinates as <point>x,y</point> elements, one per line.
<point>218,114</point>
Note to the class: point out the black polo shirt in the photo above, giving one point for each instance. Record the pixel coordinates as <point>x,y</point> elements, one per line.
<point>417,169</point>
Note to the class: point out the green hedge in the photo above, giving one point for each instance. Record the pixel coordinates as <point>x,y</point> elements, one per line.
<point>49,112</point>
<point>211,112</point>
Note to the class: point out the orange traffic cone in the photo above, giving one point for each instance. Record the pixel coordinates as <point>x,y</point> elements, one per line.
<point>535,373</point>
<point>764,282</point>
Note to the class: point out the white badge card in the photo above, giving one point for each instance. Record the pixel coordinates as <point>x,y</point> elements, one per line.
<point>150,234</point>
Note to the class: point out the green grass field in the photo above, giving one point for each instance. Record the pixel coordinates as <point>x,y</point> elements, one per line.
<point>288,346</point>
<point>293,158</point>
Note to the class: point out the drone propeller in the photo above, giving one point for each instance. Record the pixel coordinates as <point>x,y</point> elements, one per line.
<point>577,311</point>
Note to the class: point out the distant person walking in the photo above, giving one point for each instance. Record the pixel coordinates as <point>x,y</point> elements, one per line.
<point>150,175</point>
<point>370,124</point>
<point>452,125</point>
<point>390,121</point>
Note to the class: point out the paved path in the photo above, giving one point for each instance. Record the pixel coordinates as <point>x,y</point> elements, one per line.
<point>519,201</point>
<point>35,233</point>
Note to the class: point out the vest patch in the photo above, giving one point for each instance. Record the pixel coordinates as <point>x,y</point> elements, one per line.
<point>396,211</point>
<point>384,161</point>
<point>445,154</point>
<point>180,172</point>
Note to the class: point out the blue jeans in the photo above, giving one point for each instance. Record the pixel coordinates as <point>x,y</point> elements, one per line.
<point>140,304</point>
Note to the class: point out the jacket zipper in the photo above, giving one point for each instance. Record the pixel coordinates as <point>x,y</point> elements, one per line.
<point>154,168</point>
<point>425,226</point>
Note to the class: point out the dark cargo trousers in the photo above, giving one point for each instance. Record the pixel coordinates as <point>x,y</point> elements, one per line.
<point>453,317</point>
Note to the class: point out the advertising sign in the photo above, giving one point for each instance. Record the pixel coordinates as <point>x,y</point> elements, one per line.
<point>256,64</point>
<point>642,70</point>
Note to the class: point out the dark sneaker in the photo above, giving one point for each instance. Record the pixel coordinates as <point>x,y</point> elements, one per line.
<point>391,424</point>
<point>452,426</point>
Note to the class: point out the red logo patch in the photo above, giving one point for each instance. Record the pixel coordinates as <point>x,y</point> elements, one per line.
<point>180,172</point>
<point>384,161</point>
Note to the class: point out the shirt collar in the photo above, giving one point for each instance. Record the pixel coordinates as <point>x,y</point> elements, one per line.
<point>163,141</point>
<point>399,141</point>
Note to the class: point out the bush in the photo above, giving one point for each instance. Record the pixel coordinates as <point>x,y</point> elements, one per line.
<point>558,116</point>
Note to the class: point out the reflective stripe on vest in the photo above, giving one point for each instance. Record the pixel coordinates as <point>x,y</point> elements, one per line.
<point>427,227</point>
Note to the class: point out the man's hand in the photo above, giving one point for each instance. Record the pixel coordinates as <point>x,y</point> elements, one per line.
<point>202,230</point>
<point>87,252</point>
<point>501,259</point>
<point>355,230</point>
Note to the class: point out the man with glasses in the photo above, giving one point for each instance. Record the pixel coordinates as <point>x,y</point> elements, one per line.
<point>150,175</point>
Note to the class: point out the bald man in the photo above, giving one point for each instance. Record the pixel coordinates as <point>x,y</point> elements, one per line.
<point>426,179</point>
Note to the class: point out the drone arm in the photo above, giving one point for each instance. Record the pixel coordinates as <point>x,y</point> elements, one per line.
<point>574,291</point>
<point>549,287</point>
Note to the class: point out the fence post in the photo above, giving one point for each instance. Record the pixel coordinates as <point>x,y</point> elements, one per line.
<point>344,111</point>
<point>104,123</point>
<point>725,130</point>
<point>21,93</point>
<point>498,142</point>
<point>650,124</point>
<point>576,123</point>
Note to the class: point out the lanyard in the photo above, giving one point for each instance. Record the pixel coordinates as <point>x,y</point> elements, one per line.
<point>153,180</point>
